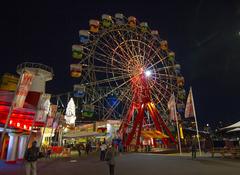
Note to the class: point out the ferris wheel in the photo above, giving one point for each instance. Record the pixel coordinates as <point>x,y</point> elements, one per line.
<point>121,64</point>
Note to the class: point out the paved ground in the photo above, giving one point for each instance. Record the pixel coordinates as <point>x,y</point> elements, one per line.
<point>132,164</point>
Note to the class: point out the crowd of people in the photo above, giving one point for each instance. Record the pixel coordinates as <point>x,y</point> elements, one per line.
<point>107,152</point>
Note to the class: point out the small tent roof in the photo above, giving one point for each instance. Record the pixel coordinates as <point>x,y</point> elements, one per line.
<point>234,130</point>
<point>235,125</point>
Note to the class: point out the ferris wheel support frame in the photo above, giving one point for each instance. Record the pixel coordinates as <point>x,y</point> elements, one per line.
<point>142,102</point>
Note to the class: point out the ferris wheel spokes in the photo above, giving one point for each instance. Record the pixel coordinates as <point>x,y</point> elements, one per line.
<point>102,81</point>
<point>112,50</point>
<point>107,63</point>
<point>112,109</point>
<point>113,90</point>
<point>125,43</point>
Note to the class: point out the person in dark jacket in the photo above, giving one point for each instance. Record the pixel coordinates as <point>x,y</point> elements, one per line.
<point>88,147</point>
<point>194,149</point>
<point>110,159</point>
<point>31,156</point>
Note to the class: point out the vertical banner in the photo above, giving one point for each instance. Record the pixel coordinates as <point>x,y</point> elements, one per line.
<point>173,116</point>
<point>189,105</point>
<point>53,110</point>
<point>43,108</point>
<point>171,107</point>
<point>51,115</point>
<point>22,91</point>
<point>57,120</point>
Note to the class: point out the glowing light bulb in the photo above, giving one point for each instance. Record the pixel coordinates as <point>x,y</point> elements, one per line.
<point>148,73</point>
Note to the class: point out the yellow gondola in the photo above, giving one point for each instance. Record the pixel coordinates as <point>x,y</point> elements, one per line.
<point>164,45</point>
<point>132,21</point>
<point>94,25</point>
<point>76,70</point>
<point>180,81</point>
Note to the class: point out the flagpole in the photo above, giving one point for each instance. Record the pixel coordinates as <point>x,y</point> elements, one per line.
<point>195,118</point>
<point>179,139</point>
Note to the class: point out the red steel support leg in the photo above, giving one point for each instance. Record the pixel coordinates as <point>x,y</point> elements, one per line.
<point>126,119</point>
<point>140,128</point>
<point>125,123</point>
<point>136,123</point>
<point>162,123</point>
<point>154,118</point>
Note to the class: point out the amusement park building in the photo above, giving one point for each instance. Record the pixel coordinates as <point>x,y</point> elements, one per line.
<point>21,121</point>
<point>103,130</point>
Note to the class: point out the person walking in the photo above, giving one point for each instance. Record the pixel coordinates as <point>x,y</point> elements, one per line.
<point>79,150</point>
<point>194,149</point>
<point>49,152</point>
<point>31,156</point>
<point>103,148</point>
<point>120,147</point>
<point>110,159</point>
<point>87,149</point>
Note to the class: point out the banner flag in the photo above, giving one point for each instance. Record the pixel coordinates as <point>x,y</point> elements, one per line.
<point>43,108</point>
<point>189,111</point>
<point>51,115</point>
<point>22,91</point>
<point>172,107</point>
<point>57,120</point>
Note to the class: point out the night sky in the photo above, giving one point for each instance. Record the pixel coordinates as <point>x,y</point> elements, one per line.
<point>203,34</point>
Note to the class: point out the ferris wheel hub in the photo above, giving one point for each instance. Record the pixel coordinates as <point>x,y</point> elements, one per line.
<point>148,73</point>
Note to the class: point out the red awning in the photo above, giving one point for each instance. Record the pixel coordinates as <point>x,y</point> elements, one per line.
<point>21,118</point>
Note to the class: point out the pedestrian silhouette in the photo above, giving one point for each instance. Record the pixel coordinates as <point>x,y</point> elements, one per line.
<point>31,156</point>
<point>110,159</point>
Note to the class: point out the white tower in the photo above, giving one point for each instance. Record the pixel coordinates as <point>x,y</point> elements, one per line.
<point>42,74</point>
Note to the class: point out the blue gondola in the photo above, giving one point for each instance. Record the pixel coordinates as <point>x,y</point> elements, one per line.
<point>84,36</point>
